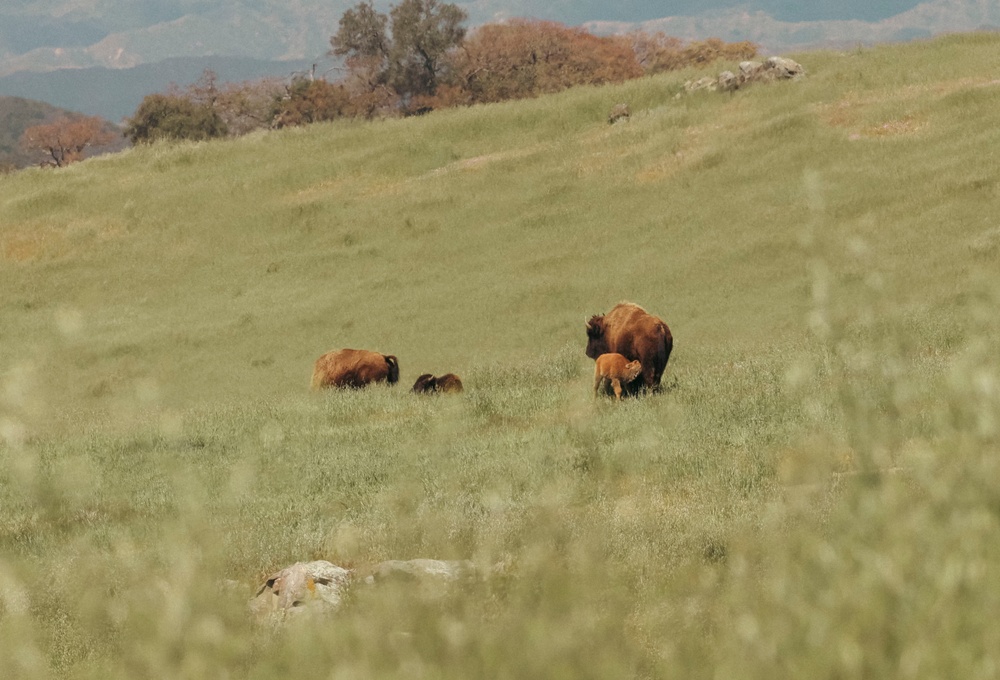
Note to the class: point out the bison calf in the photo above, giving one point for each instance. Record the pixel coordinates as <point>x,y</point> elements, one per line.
<point>354,368</point>
<point>616,369</point>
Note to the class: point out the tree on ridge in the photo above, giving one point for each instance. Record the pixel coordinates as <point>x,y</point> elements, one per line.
<point>64,140</point>
<point>406,50</point>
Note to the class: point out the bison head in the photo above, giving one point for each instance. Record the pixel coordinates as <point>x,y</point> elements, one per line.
<point>632,370</point>
<point>597,342</point>
<point>425,383</point>
<point>393,377</point>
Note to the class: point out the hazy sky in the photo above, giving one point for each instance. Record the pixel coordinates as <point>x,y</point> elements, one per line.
<point>578,11</point>
<point>568,11</point>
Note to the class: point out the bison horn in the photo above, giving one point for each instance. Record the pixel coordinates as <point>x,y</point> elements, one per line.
<point>595,326</point>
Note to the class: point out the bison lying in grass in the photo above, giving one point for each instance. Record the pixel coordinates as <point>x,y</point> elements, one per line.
<point>354,368</point>
<point>428,384</point>
<point>631,331</point>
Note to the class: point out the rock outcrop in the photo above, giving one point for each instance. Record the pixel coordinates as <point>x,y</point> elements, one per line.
<point>770,70</point>
<point>303,587</point>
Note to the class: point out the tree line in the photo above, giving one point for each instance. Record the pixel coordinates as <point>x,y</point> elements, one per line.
<point>416,58</point>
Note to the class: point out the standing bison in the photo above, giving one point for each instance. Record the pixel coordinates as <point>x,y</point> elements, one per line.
<point>354,368</point>
<point>631,331</point>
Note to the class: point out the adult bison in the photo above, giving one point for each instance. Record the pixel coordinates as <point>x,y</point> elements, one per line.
<point>631,331</point>
<point>354,368</point>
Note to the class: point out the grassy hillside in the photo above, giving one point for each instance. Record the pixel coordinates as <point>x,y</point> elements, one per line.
<point>813,495</point>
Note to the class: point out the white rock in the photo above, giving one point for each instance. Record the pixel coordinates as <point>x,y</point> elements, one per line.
<point>784,68</point>
<point>304,586</point>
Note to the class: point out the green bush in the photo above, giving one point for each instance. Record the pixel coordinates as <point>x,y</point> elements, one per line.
<point>174,117</point>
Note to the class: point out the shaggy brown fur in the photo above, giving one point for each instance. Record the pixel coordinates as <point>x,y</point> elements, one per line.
<point>427,383</point>
<point>449,382</point>
<point>616,369</point>
<point>354,368</point>
<point>631,331</point>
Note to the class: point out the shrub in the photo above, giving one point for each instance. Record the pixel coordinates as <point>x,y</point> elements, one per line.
<point>525,58</point>
<point>312,101</point>
<point>162,116</point>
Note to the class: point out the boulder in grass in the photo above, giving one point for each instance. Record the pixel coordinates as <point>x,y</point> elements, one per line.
<point>319,587</point>
<point>750,71</point>
<point>303,587</point>
<point>728,82</point>
<point>784,69</point>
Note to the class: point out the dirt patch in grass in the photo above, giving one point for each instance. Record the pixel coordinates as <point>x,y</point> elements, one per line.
<point>32,241</point>
<point>853,111</point>
<point>485,160</point>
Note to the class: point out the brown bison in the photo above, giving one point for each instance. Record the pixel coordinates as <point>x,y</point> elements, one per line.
<point>354,368</point>
<point>427,383</point>
<point>617,370</point>
<point>634,333</point>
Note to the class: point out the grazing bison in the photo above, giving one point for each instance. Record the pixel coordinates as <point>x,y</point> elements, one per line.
<point>354,368</point>
<point>427,383</point>
<point>617,370</point>
<point>634,333</point>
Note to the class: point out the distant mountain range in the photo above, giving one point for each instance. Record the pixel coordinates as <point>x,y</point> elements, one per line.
<point>774,36</point>
<point>101,57</point>
<point>116,93</point>
<point>47,35</point>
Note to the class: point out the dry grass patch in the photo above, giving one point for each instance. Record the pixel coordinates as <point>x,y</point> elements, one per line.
<point>694,147</point>
<point>854,111</point>
<point>484,160</point>
<point>324,189</point>
<point>890,128</point>
<point>31,243</point>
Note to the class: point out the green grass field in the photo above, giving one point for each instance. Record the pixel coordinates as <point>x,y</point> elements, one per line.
<point>816,494</point>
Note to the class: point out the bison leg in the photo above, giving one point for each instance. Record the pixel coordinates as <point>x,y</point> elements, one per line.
<point>617,385</point>
<point>598,384</point>
<point>650,380</point>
